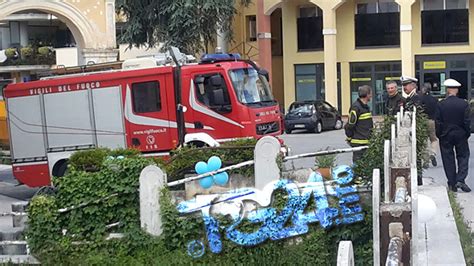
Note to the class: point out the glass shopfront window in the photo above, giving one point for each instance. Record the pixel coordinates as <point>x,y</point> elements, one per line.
<point>310,84</point>
<point>375,75</point>
<point>436,69</point>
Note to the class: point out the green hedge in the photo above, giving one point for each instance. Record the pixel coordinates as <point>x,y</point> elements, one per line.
<point>53,236</point>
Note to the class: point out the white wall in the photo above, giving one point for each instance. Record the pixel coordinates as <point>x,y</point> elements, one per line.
<point>68,56</point>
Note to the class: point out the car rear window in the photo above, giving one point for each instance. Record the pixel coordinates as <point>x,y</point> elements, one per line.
<point>301,107</point>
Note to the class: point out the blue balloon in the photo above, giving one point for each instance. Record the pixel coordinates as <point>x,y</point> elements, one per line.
<point>221,178</point>
<point>201,168</point>
<point>214,163</point>
<point>206,182</point>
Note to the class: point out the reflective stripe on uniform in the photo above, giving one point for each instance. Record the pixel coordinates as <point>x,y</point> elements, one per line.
<point>352,116</point>
<point>360,141</point>
<point>365,116</point>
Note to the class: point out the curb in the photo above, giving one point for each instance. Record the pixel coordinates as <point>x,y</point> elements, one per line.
<point>438,239</point>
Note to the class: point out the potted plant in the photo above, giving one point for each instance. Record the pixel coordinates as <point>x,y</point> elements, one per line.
<point>324,163</point>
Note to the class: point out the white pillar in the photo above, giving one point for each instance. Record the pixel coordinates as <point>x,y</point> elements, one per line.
<point>24,33</point>
<point>266,166</point>
<point>152,180</point>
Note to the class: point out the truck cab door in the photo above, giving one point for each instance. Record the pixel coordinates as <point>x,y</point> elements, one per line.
<point>210,100</point>
<point>147,112</point>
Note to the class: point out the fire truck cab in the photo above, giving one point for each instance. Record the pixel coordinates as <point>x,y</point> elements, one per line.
<point>150,107</point>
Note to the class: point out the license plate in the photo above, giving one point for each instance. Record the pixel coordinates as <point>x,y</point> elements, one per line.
<point>299,126</point>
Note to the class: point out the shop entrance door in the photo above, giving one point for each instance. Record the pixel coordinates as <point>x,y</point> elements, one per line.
<point>462,77</point>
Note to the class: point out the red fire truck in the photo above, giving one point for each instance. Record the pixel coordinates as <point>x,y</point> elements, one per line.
<point>149,104</point>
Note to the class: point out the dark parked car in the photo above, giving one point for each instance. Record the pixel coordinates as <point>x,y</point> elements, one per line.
<point>313,116</point>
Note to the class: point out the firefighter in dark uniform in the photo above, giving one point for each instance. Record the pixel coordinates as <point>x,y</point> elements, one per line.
<point>394,100</point>
<point>453,130</point>
<point>409,87</point>
<point>360,122</point>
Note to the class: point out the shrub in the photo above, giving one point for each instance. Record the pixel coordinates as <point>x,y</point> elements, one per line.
<point>11,53</point>
<point>44,50</point>
<point>88,160</point>
<point>51,234</point>
<point>26,52</point>
<point>325,161</point>
<point>184,159</point>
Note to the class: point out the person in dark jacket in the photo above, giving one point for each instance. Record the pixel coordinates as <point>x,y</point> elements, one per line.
<point>394,100</point>
<point>360,122</point>
<point>409,87</point>
<point>430,105</point>
<point>453,129</point>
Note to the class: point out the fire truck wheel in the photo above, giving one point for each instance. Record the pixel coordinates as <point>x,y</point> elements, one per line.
<point>198,144</point>
<point>62,169</point>
<point>46,190</point>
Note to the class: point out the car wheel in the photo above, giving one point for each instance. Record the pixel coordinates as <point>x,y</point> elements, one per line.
<point>287,131</point>
<point>338,124</point>
<point>319,127</point>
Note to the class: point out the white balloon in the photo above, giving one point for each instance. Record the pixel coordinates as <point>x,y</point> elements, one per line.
<point>426,208</point>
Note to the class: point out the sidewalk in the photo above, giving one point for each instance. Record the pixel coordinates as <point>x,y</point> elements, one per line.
<point>438,239</point>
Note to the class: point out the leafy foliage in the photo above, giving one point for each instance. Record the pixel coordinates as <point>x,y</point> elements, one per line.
<point>77,236</point>
<point>181,23</point>
<point>325,161</point>
<point>465,234</point>
<point>374,156</point>
<point>183,160</point>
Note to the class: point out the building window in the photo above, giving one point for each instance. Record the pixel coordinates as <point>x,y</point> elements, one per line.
<point>445,21</point>
<point>251,28</point>
<point>310,29</point>
<point>146,97</point>
<point>377,24</point>
<point>375,75</point>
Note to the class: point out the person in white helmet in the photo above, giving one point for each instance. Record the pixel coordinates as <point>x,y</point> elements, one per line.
<point>453,128</point>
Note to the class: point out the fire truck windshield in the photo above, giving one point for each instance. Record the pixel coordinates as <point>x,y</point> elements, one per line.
<point>250,87</point>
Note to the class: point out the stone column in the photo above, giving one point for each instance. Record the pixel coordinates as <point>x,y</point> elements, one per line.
<point>110,23</point>
<point>408,64</point>
<point>330,47</point>
<point>330,55</point>
<point>264,39</point>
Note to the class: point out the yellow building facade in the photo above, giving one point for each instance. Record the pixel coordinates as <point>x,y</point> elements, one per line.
<point>326,49</point>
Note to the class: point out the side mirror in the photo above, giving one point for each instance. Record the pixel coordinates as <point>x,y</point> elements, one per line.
<point>264,73</point>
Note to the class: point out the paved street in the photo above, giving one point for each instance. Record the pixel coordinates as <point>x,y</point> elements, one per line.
<point>466,200</point>
<point>303,142</point>
<point>9,186</point>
